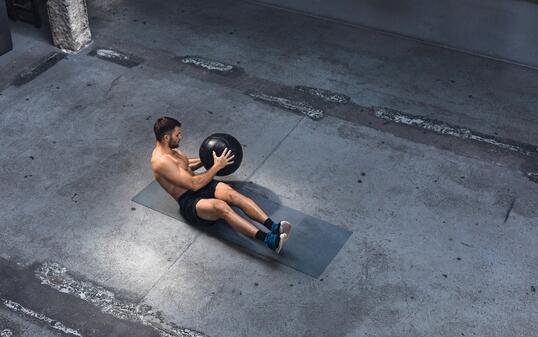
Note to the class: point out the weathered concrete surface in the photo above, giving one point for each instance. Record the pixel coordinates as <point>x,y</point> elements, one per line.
<point>69,24</point>
<point>417,215</point>
<point>30,48</point>
<point>21,327</point>
<point>443,240</point>
<point>501,29</point>
<point>76,186</point>
<point>372,68</point>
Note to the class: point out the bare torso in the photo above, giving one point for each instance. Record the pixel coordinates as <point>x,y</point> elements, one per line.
<point>180,160</point>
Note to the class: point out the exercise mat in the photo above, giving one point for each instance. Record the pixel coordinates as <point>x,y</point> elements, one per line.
<point>312,245</point>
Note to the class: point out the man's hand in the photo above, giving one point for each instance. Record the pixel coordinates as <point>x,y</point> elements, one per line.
<point>224,160</point>
<point>195,163</point>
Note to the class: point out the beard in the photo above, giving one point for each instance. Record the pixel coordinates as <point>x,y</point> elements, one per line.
<point>173,145</point>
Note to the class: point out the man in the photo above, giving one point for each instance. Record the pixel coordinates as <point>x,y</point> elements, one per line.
<point>203,200</point>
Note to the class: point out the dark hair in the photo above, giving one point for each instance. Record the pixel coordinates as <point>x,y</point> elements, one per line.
<point>165,125</point>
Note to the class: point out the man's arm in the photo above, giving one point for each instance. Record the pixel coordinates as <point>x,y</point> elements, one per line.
<point>180,177</point>
<point>195,163</point>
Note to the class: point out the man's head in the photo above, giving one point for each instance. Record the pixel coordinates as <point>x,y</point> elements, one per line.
<point>168,131</point>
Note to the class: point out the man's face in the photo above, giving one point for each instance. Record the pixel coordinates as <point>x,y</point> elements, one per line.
<point>175,138</point>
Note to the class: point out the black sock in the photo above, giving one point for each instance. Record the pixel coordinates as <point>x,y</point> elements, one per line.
<point>261,235</point>
<point>268,223</point>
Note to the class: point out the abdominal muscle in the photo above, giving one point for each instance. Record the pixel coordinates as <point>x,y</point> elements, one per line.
<point>173,190</point>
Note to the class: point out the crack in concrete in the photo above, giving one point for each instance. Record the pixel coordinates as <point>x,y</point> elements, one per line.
<point>56,277</point>
<point>509,210</point>
<point>112,85</point>
<point>55,324</point>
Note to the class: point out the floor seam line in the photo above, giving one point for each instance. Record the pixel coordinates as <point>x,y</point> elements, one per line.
<point>274,150</point>
<point>169,267</point>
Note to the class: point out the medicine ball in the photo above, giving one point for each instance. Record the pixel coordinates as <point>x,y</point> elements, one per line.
<point>218,142</point>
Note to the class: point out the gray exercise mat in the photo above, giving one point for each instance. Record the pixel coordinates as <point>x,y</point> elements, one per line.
<point>312,245</point>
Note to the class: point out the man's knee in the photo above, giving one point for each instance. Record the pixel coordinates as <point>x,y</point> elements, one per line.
<point>225,191</point>
<point>231,196</point>
<point>234,197</point>
<point>221,208</point>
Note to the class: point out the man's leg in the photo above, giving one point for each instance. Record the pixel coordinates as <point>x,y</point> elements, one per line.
<point>252,210</point>
<point>215,209</point>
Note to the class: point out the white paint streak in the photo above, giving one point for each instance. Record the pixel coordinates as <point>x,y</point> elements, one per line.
<point>6,333</point>
<point>14,306</point>
<point>446,129</point>
<point>207,64</point>
<point>56,277</point>
<point>326,95</point>
<point>111,54</point>
<point>303,107</point>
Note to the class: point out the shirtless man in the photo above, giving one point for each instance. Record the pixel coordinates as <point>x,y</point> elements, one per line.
<point>201,199</point>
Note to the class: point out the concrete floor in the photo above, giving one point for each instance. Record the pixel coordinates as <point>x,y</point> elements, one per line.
<point>444,228</point>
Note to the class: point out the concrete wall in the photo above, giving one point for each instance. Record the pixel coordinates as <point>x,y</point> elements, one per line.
<point>505,29</point>
<point>5,34</point>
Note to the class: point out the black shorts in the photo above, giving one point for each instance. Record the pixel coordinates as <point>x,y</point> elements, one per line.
<point>188,200</point>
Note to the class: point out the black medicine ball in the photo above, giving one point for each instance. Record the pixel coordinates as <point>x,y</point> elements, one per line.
<point>218,142</point>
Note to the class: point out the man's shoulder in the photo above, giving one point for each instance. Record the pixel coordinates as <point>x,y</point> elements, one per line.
<point>160,159</point>
<point>178,151</point>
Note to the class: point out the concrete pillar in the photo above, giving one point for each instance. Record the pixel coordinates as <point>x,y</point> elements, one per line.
<point>69,24</point>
